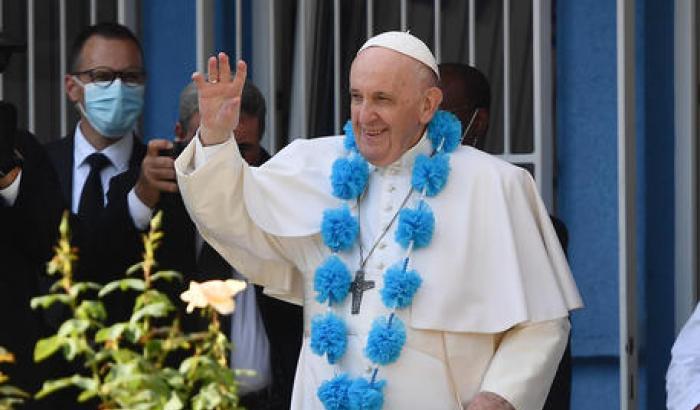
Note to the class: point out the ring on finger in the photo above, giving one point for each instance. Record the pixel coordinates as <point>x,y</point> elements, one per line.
<point>214,81</point>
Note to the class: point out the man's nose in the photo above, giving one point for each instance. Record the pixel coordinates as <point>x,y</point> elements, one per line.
<point>367,113</point>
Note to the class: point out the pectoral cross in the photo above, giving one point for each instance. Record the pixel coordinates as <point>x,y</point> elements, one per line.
<point>358,287</point>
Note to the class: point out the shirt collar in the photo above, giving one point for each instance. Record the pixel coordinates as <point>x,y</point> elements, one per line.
<point>118,153</point>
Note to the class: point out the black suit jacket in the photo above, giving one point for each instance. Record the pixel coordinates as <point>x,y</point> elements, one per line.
<point>30,230</point>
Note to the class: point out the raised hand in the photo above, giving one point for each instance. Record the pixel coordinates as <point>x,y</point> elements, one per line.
<point>219,99</point>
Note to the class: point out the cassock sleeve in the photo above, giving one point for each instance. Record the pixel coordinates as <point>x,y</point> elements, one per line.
<point>213,194</point>
<point>683,377</point>
<point>525,362</point>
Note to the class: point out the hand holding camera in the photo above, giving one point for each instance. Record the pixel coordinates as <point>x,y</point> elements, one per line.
<point>157,172</point>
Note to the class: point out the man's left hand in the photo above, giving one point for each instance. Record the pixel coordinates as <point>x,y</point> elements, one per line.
<point>489,401</point>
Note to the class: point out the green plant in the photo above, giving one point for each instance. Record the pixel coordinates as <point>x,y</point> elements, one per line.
<point>10,396</point>
<point>134,364</point>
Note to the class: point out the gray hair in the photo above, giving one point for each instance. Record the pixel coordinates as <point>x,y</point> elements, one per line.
<point>189,104</point>
<point>252,103</point>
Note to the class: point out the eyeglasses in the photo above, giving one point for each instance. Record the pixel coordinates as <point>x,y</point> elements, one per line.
<point>105,76</point>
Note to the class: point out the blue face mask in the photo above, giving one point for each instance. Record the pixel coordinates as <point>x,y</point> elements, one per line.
<point>112,111</point>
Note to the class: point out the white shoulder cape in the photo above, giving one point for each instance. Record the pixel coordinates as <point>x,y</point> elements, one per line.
<point>494,260</point>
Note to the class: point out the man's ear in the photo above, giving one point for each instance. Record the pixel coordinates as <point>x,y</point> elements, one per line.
<point>73,90</point>
<point>431,102</point>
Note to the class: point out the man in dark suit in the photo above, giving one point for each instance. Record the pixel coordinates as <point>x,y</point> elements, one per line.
<point>467,94</point>
<point>75,173</point>
<point>266,332</point>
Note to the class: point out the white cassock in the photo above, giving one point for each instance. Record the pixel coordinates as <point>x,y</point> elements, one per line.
<point>683,376</point>
<point>491,313</point>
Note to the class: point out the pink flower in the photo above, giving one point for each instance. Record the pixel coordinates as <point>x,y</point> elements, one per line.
<point>218,294</point>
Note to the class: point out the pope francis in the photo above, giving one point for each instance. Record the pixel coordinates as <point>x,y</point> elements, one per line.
<point>430,274</point>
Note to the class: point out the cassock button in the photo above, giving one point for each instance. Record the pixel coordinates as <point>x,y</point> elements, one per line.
<point>388,208</point>
<point>380,265</point>
<point>391,188</point>
<point>382,245</point>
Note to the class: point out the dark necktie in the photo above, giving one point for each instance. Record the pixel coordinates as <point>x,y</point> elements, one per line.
<point>92,197</point>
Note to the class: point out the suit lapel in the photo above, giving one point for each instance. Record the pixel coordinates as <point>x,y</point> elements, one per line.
<point>61,154</point>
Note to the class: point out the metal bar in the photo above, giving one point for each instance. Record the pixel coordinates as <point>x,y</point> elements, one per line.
<point>370,17</point>
<point>302,68</point>
<point>336,66</point>
<point>200,52</point>
<point>31,62</point>
<point>62,40</point>
<point>272,97</point>
<point>404,15</point>
<point>686,168</point>
<point>127,14</point>
<point>626,187</point>
<point>506,76</point>
<point>239,30</point>
<point>472,32</point>
<point>93,12</point>
<point>437,14</point>
<point>542,99</point>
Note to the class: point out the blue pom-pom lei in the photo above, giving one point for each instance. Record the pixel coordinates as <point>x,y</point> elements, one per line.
<point>430,173</point>
<point>329,336</point>
<point>415,225</point>
<point>349,140</point>
<point>333,393</point>
<point>349,176</point>
<point>445,125</point>
<point>332,281</point>
<point>364,395</point>
<point>400,285</point>
<point>339,228</point>
<point>385,340</point>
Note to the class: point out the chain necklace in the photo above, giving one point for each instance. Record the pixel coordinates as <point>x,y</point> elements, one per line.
<point>359,285</point>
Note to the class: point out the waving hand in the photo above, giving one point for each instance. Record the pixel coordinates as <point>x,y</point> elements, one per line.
<point>219,99</point>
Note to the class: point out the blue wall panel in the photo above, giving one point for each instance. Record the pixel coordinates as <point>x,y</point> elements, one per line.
<point>587,165</point>
<point>602,373</point>
<point>168,34</point>
<point>656,142</point>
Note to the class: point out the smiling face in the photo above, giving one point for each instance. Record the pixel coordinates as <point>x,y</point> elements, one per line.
<point>393,97</point>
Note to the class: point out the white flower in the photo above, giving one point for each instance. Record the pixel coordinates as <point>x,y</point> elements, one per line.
<point>218,294</point>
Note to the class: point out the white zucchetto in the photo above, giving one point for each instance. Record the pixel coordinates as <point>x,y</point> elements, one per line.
<point>404,43</point>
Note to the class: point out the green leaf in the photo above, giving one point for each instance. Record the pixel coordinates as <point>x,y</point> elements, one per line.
<point>82,287</point>
<point>113,332</point>
<point>158,309</point>
<point>47,300</point>
<point>13,391</point>
<point>123,284</point>
<point>168,275</point>
<point>87,395</point>
<point>207,398</point>
<point>151,296</point>
<point>52,386</point>
<point>134,268</point>
<point>174,403</point>
<point>73,327</point>
<point>91,310</point>
<point>46,347</point>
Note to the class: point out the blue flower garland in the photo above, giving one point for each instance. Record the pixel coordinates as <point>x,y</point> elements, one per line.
<point>332,280</point>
